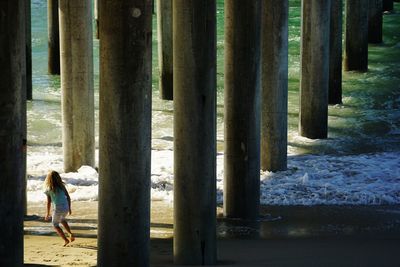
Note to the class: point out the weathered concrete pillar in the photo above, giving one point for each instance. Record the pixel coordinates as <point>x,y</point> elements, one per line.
<point>12,66</point>
<point>356,36</point>
<point>314,80</point>
<point>53,61</point>
<point>387,5</point>
<point>24,158</point>
<point>164,29</point>
<point>125,132</point>
<point>242,109</point>
<point>77,83</point>
<point>96,18</point>
<point>335,53</point>
<point>375,21</point>
<point>26,93</point>
<point>274,77</point>
<point>28,49</point>
<point>274,81</point>
<point>194,46</point>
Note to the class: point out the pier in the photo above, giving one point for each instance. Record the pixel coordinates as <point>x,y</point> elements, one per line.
<point>255,116</point>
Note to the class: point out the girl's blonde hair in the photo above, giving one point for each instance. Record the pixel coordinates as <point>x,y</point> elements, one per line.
<point>53,181</point>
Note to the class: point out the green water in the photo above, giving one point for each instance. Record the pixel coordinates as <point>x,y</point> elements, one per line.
<point>368,121</point>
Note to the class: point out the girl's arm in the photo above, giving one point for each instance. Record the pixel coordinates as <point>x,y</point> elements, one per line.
<point>69,200</point>
<point>48,208</point>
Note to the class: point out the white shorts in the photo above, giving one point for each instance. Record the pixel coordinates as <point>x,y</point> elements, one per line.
<point>58,217</point>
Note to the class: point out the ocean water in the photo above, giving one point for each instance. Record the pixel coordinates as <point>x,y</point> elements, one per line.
<point>358,164</point>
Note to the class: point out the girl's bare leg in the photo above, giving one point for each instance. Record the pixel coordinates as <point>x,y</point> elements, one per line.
<point>71,235</point>
<point>60,232</point>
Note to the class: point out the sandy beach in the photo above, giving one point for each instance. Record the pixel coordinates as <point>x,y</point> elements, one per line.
<point>48,251</point>
<point>285,236</point>
<point>43,247</point>
<point>317,213</point>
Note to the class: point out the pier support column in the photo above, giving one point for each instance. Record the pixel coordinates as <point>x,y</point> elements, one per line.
<point>125,132</point>
<point>274,77</point>
<point>242,109</point>
<point>314,69</point>
<point>26,94</point>
<point>77,83</point>
<point>165,59</point>
<point>28,49</point>
<point>194,52</point>
<point>53,62</point>
<point>335,53</point>
<point>12,106</point>
<point>387,5</point>
<point>356,36</point>
<point>375,21</point>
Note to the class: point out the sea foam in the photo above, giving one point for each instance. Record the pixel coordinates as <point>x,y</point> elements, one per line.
<point>366,179</point>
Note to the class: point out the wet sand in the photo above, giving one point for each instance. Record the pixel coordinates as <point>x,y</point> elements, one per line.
<point>285,236</point>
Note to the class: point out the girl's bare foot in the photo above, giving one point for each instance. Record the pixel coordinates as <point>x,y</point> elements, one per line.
<point>66,243</point>
<point>71,238</point>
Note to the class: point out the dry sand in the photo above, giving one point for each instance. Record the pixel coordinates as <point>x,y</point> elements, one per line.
<point>48,251</point>
<point>43,247</point>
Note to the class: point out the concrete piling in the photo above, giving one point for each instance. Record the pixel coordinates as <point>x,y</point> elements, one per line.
<point>28,49</point>
<point>314,69</point>
<point>356,36</point>
<point>335,53</point>
<point>165,58</point>
<point>242,109</point>
<point>53,34</point>
<point>77,83</point>
<point>274,81</point>
<point>375,21</point>
<point>12,106</point>
<point>387,5</point>
<point>26,95</point>
<point>194,57</point>
<point>125,132</point>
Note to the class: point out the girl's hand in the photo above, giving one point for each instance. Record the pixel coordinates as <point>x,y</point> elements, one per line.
<point>47,217</point>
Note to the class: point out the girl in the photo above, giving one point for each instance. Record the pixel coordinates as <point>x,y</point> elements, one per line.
<point>58,195</point>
